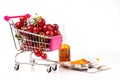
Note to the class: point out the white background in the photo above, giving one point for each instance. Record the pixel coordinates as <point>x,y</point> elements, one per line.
<point>91,28</point>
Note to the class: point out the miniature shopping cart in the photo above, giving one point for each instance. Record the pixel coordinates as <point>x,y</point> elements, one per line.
<point>27,41</point>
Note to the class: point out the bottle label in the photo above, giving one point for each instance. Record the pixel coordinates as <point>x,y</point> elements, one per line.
<point>64,55</point>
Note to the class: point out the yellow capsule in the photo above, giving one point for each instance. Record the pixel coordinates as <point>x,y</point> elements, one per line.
<point>97,59</point>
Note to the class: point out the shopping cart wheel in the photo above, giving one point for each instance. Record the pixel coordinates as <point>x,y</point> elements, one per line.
<point>33,61</point>
<point>49,69</point>
<point>16,67</point>
<point>54,67</point>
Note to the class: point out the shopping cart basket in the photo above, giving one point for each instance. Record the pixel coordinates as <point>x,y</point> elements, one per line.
<point>27,41</point>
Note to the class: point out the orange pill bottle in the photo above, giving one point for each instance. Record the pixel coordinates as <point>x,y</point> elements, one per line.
<point>64,53</point>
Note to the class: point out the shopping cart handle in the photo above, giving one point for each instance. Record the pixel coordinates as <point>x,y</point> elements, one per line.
<point>7,18</point>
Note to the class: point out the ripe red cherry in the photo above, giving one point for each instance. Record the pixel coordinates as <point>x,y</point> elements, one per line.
<point>23,18</point>
<point>55,26</point>
<point>44,56</point>
<point>18,25</point>
<point>37,52</point>
<point>49,33</point>
<point>56,32</point>
<point>41,22</point>
<point>40,28</point>
<point>36,30</point>
<point>47,27</point>
<point>30,28</point>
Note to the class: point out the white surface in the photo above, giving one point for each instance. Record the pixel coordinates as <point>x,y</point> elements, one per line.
<point>92,30</point>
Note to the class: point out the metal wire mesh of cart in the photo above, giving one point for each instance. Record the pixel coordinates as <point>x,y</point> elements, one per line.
<point>29,41</point>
